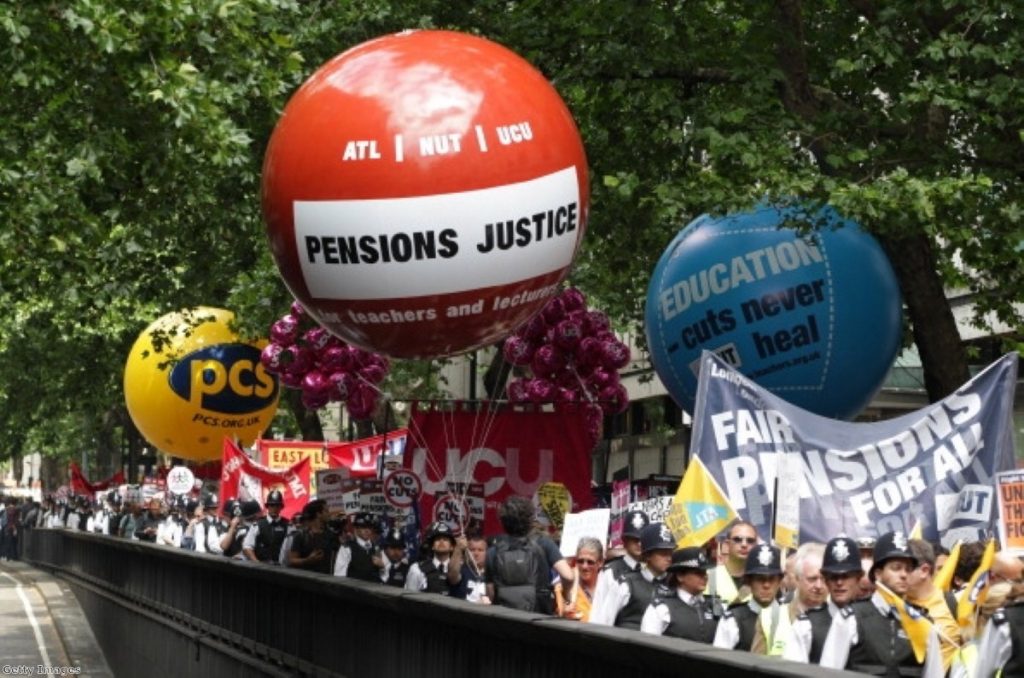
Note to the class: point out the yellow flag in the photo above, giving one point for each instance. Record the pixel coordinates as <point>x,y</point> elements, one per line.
<point>915,624</point>
<point>700,509</point>
<point>977,589</point>
<point>944,577</point>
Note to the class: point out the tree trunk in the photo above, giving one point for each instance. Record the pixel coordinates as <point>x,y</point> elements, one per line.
<point>913,257</point>
<point>933,326</point>
<point>497,373</point>
<point>308,420</point>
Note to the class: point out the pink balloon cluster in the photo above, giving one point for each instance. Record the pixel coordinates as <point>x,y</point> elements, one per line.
<point>572,354</point>
<point>305,356</point>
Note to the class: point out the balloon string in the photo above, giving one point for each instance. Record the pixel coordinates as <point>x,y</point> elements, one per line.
<point>417,435</point>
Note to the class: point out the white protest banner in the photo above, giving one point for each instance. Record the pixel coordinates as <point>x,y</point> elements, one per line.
<point>592,523</point>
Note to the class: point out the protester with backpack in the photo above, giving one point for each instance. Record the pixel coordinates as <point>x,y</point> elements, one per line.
<point>519,562</point>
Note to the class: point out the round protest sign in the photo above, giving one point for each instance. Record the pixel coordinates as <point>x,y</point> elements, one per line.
<point>452,511</point>
<point>402,488</point>
<point>180,480</point>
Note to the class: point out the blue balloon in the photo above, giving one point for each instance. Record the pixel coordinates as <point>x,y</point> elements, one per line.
<point>816,319</point>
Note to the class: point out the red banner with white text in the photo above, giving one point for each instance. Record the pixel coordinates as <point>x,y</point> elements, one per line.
<point>359,456</point>
<point>242,478</point>
<point>507,451</point>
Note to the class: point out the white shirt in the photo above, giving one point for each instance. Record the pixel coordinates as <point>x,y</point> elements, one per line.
<point>168,532</point>
<point>208,540</point>
<point>727,635</point>
<point>609,600</point>
<point>657,616</point>
<point>344,557</point>
<point>416,580</point>
<point>798,648</point>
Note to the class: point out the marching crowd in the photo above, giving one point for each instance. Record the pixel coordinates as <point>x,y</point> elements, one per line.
<point>853,604</point>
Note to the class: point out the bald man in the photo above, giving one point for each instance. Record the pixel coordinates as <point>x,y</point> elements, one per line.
<point>1006,567</point>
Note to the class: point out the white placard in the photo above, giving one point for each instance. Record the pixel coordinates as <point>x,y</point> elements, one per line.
<point>592,523</point>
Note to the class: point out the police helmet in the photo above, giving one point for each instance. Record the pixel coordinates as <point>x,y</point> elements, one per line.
<point>763,559</point>
<point>190,506</point>
<point>364,519</point>
<point>275,498</point>
<point>393,539</point>
<point>436,531</point>
<point>210,503</point>
<point>232,508</point>
<point>890,546</point>
<point>656,536</point>
<point>842,556</point>
<point>689,558</point>
<point>633,523</point>
<point>250,508</point>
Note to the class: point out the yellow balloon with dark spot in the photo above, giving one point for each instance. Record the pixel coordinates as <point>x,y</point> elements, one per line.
<point>190,381</point>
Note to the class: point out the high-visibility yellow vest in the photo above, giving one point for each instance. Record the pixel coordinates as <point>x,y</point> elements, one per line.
<point>775,625</point>
<point>720,584</point>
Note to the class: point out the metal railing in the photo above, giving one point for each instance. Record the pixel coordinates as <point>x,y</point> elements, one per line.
<point>161,611</point>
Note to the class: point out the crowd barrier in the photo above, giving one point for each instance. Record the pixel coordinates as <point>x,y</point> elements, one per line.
<point>159,611</point>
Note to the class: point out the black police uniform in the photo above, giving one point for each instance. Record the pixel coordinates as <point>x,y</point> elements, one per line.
<point>842,556</point>
<point>270,534</point>
<point>641,594</point>
<point>397,572</point>
<point>692,622</point>
<point>654,536</point>
<point>881,648</point>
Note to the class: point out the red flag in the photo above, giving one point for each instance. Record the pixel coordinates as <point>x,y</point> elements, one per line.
<point>243,478</point>
<point>508,451</point>
<point>360,456</point>
<point>81,485</point>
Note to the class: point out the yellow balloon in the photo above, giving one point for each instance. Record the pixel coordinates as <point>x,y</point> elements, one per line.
<point>190,381</point>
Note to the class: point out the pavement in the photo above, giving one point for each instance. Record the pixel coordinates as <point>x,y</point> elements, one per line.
<point>43,630</point>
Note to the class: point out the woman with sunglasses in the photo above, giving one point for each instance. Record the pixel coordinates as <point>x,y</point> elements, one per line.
<point>588,561</point>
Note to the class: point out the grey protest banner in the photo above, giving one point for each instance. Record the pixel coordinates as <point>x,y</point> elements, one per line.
<point>935,465</point>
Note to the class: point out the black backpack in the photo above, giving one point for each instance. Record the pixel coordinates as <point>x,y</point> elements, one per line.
<point>521,575</point>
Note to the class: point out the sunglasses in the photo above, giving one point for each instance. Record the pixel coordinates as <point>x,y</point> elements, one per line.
<point>743,540</point>
<point>586,561</point>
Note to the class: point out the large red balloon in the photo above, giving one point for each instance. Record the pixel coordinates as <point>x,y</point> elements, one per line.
<point>425,193</point>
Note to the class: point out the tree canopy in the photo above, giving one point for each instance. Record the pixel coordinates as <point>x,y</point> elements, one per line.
<point>132,139</point>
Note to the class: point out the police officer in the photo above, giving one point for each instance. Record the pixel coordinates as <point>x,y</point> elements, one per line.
<point>396,566</point>
<point>624,603</point>
<point>244,522</point>
<point>430,573</point>
<point>760,625</point>
<point>360,558</point>
<point>207,527</point>
<point>682,611</point>
<point>841,568</point>
<point>263,542</point>
<point>867,635</point>
<point>633,524</point>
